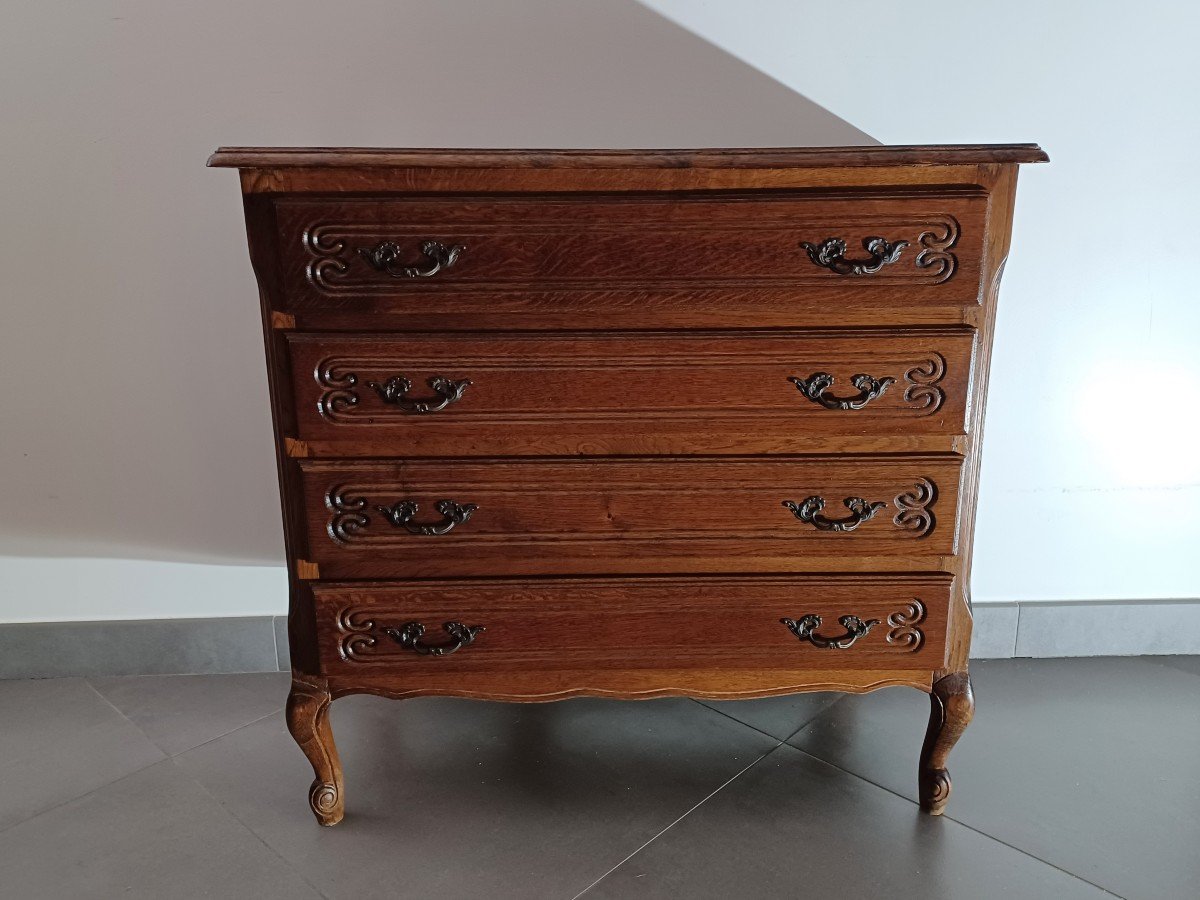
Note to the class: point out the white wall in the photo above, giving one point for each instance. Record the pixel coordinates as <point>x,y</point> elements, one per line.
<point>136,469</point>
<point>136,476</point>
<point>1091,478</point>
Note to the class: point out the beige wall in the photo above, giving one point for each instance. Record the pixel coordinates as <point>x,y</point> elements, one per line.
<point>135,420</point>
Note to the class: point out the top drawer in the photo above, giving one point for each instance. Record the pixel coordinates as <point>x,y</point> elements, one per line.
<point>776,255</point>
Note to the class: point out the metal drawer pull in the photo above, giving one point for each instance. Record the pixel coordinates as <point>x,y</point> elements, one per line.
<point>809,509</point>
<point>815,385</point>
<point>806,627</point>
<point>409,637</point>
<point>401,515</point>
<point>831,254</point>
<point>385,258</point>
<point>393,391</point>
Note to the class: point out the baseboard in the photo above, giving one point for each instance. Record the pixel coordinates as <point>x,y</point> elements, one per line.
<point>259,643</point>
<point>216,646</point>
<point>1040,629</point>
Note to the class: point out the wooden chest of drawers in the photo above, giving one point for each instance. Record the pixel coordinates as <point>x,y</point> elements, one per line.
<point>633,424</point>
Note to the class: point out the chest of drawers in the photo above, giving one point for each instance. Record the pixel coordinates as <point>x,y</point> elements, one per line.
<point>630,424</point>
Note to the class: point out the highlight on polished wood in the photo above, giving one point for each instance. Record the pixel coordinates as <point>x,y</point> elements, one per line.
<point>632,424</point>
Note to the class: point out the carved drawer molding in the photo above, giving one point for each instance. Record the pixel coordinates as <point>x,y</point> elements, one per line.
<point>344,256</point>
<point>628,423</point>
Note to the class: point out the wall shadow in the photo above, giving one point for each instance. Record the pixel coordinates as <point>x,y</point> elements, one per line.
<point>141,425</point>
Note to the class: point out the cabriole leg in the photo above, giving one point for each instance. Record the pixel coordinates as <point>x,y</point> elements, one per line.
<point>308,721</point>
<point>951,707</point>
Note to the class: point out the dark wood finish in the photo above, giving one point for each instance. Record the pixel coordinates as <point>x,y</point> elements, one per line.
<point>952,704</point>
<point>264,250</point>
<point>689,262</point>
<point>716,624</point>
<point>627,684</point>
<point>568,394</point>
<point>642,423</point>
<point>636,515</point>
<point>754,158</point>
<point>308,722</point>
<point>636,309</point>
<point>617,242</point>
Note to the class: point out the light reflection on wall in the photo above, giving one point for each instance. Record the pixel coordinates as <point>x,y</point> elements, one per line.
<point>1142,422</point>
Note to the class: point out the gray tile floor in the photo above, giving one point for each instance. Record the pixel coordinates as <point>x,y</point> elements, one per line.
<point>1079,778</point>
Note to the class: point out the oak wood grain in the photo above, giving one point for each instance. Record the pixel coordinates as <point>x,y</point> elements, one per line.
<point>1000,217</point>
<point>632,683</point>
<point>764,157</point>
<point>637,515</point>
<point>708,624</point>
<point>952,705</point>
<point>307,717</point>
<point>628,322</point>
<point>557,180</point>
<point>632,242</point>
<point>581,393</point>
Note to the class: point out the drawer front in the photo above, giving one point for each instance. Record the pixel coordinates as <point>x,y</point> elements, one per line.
<point>757,623</point>
<point>454,517</point>
<point>627,394</point>
<point>460,256</point>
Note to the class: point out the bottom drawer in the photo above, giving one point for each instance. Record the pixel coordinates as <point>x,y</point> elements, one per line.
<point>793,622</point>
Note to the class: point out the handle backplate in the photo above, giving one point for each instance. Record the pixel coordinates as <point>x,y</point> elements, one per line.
<point>805,628</point>
<point>409,637</point>
<point>453,514</point>
<point>816,386</point>
<point>394,391</point>
<point>809,510</point>
<point>831,254</point>
<point>385,257</point>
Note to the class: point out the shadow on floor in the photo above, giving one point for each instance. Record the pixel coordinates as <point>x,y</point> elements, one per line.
<point>1078,778</point>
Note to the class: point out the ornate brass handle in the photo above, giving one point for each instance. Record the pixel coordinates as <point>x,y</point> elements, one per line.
<point>815,385</point>
<point>401,515</point>
<point>808,510</point>
<point>831,254</point>
<point>393,391</point>
<point>806,627</point>
<point>385,257</point>
<point>409,637</point>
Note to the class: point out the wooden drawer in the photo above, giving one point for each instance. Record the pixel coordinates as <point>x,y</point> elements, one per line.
<point>373,519</point>
<point>468,262</point>
<point>767,392</point>
<point>633,623</point>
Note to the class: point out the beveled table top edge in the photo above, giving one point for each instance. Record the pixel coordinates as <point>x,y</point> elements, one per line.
<point>750,158</point>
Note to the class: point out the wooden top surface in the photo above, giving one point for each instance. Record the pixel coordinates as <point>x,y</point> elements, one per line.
<point>749,158</point>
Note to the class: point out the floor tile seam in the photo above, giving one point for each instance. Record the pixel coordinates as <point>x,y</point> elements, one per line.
<point>165,756</point>
<point>746,724</point>
<point>980,832</point>
<point>683,816</point>
<point>1181,671</point>
<point>1155,661</point>
<point>245,826</point>
<point>88,681</point>
<point>166,753</point>
<point>808,722</point>
<point>225,734</point>
<point>86,794</point>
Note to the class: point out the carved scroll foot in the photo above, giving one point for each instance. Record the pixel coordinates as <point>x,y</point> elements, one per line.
<point>308,721</point>
<point>951,707</point>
